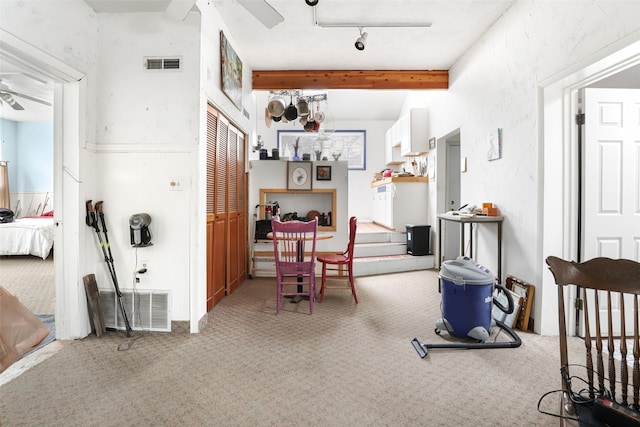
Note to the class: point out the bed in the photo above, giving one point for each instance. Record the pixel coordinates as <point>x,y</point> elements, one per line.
<point>27,236</point>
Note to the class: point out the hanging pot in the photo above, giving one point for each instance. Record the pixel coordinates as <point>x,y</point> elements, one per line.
<point>308,126</point>
<point>267,117</point>
<point>276,106</point>
<point>276,118</point>
<point>291,113</point>
<point>303,107</point>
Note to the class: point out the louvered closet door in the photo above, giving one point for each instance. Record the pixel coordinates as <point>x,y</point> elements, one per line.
<point>216,214</point>
<point>237,211</point>
<point>227,238</point>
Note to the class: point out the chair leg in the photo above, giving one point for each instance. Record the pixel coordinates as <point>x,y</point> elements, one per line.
<point>324,278</point>
<point>312,293</point>
<point>278,298</point>
<point>353,286</point>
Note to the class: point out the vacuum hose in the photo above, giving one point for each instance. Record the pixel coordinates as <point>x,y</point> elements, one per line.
<point>510,305</point>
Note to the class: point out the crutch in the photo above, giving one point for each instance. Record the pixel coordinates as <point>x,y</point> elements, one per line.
<point>92,221</point>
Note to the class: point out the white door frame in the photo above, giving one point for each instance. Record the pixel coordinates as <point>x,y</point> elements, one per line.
<point>557,164</point>
<point>443,152</point>
<point>68,130</point>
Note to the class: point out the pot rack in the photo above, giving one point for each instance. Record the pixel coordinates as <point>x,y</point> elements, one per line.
<point>297,94</point>
<point>307,120</point>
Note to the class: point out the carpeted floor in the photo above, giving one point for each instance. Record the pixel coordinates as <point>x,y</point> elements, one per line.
<point>345,365</point>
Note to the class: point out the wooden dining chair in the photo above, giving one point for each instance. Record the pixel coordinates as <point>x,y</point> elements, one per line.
<point>339,264</point>
<point>294,248</point>
<point>608,292</point>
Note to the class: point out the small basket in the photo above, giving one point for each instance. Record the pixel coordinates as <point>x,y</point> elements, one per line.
<point>263,227</point>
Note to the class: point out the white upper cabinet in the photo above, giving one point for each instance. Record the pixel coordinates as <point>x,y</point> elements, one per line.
<point>392,147</point>
<point>414,128</point>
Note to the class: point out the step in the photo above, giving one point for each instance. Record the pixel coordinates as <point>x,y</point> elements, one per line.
<point>379,249</point>
<point>369,266</point>
<point>382,237</point>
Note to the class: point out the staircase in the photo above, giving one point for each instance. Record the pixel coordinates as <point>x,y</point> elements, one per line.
<point>381,251</point>
<point>377,250</point>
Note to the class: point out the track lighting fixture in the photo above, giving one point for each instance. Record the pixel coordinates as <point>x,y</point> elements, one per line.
<point>311,2</point>
<point>362,40</point>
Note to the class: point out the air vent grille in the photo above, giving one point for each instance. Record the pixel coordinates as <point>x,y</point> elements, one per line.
<point>158,64</point>
<point>146,310</point>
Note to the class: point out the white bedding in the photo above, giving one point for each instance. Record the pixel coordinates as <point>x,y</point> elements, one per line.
<point>27,236</point>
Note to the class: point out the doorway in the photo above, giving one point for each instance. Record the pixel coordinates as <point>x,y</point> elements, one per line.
<point>68,90</point>
<point>559,165</point>
<point>448,190</point>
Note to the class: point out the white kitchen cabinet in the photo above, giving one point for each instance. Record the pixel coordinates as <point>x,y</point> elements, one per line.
<point>415,132</point>
<point>392,148</point>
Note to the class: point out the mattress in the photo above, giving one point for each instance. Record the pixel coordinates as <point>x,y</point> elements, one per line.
<point>27,236</point>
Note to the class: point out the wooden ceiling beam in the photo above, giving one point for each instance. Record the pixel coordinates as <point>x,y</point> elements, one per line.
<point>349,79</point>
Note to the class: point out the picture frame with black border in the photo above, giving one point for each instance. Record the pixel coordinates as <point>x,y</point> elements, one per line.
<point>323,173</point>
<point>299,176</point>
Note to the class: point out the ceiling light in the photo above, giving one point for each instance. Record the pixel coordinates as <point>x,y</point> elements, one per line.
<point>361,41</point>
<point>311,2</point>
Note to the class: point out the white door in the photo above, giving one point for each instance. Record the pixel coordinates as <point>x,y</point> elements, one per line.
<point>611,176</point>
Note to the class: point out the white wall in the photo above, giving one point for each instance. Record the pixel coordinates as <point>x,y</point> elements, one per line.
<point>496,85</point>
<point>147,136</point>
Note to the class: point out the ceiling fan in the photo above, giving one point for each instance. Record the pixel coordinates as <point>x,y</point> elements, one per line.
<point>7,96</point>
<point>263,12</point>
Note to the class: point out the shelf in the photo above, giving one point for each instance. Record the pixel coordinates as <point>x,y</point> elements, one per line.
<point>322,200</point>
<point>398,179</point>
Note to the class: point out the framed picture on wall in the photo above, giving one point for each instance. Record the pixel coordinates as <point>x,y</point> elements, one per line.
<point>323,173</point>
<point>299,175</point>
<point>231,72</point>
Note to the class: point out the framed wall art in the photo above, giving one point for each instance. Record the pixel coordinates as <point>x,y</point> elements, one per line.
<point>349,145</point>
<point>299,175</point>
<point>231,72</point>
<point>323,173</point>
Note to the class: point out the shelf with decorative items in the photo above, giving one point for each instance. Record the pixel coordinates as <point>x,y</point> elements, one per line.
<point>304,205</point>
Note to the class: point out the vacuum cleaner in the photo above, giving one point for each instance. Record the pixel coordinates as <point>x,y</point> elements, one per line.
<point>467,303</point>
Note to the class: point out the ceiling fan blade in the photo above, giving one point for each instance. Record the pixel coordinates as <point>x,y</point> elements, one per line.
<point>30,98</point>
<point>263,12</point>
<point>6,97</point>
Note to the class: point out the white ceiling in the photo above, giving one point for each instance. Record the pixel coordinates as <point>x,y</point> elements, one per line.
<point>297,43</point>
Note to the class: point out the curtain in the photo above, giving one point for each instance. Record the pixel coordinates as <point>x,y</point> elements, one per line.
<point>4,185</point>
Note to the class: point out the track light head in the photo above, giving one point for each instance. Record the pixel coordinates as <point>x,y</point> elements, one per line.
<point>361,41</point>
<point>311,2</point>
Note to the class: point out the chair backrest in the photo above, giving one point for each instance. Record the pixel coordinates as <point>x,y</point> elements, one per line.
<point>609,290</point>
<point>294,241</point>
<point>353,223</point>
